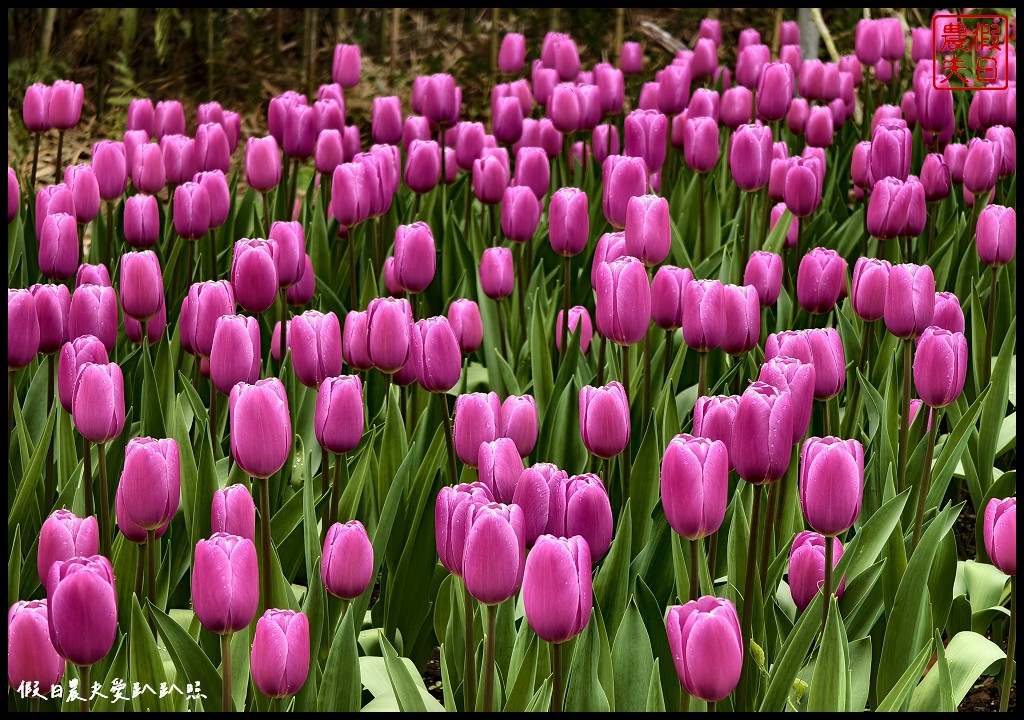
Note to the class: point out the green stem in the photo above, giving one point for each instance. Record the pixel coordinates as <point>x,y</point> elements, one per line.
<point>151,568</point>
<point>986,367</point>
<point>48,482</point>
<point>768,530</point>
<point>283,346</point>
<point>35,161</point>
<point>449,439</point>
<point>140,570</point>
<point>90,508</point>
<point>625,457</point>
<point>265,540</point>
<point>746,629</point>
<point>470,669</point>
<point>492,621</point>
<point>266,214</point>
<point>713,559</point>
<point>703,231</point>
<point>83,673</point>
<point>226,702</point>
<point>214,427</point>
<point>826,422</point>
<point>904,418</point>
<point>501,327</point>
<point>465,381</point>
<point>647,376</point>
<point>109,231</point>
<point>556,677</point>
<point>668,356</point>
<point>60,158</point>
<point>353,303</point>
<point>748,203</point>
<point>826,589</point>
<point>694,574</point>
<point>601,356</point>
<point>521,287</point>
<point>340,480</point>
<point>1011,648</point>
<point>764,219</point>
<point>702,378</point>
<point>565,307</point>
<point>104,502</point>
<point>926,476</point>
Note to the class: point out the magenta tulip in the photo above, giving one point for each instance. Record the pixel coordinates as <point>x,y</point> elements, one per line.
<point>82,606</point>
<point>604,419</point>
<point>261,428</point>
<point>233,512</point>
<point>700,630</point>
<point>347,568</point>
<point>557,588</point>
<point>694,485</point>
<point>831,483</point>
<point>495,552</point>
<point>807,567</point>
<point>1000,533</point>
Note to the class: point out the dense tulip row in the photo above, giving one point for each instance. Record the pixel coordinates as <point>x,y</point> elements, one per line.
<point>789,441</point>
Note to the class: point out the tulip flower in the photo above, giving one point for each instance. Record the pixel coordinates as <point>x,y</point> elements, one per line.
<point>579,505</point>
<point>704,314</point>
<point>338,421</point>
<point>315,342</point>
<point>142,285</point>
<point>75,354</point>
<point>254,274</point>
<point>997,235</point>
<point>441,100</point>
<point>568,221</point>
<point>764,272</point>
<point>35,111</point>
<point>347,568</point>
<point>948,313</point>
<point>512,55</point>
<point>870,284</point>
<point>667,291</point>
<point>557,588</point>
<point>648,236</point>
<point>742,319</point>
<point>890,152</point>
<point>52,309</point>
<point>700,143</point>
<point>579,319</point>
<point>1000,532</point>
<point>981,166</point>
<point>500,465</point>
<point>206,302</point>
<point>774,91</point>
<point>234,513</point>
<point>151,482</point>
<point>707,647</point>
<point>935,177</point>
<point>179,154</point>
<point>98,402</point>
<point>909,300</point>
<point>520,213</point>
<point>737,107</point>
<point>796,119</point>
<point>435,355</point>
<point>451,515</point>
<point>831,483</point>
<point>802,192</point>
<point>477,420</point>
<point>464,318</point>
<point>31,659</point>
<point>491,176</point>
<point>262,163</point>
<point>354,348</point>
<point>85,191</point>
<point>62,537</point>
<point>820,280</point>
<point>624,177</point>
<point>762,434</point>
<point>22,329</point>
<point>13,195</point>
<point>280,653</point>
<point>388,327</point>
<point>58,246</point>
<point>261,429</point>
<point>646,136</point>
<point>289,251</point>
<point>422,165</point>
<point>497,277</point>
<point>65,104</point>
<point>807,567</point>
<point>623,309</point>
<point>141,221</point>
<point>694,485</point>
<point>386,120</point>
<point>940,366</point>
<point>604,419</point>
<point>631,58</point>
<point>82,609</point>
<point>826,354</point>
<point>347,65</point>
<point>495,552</point>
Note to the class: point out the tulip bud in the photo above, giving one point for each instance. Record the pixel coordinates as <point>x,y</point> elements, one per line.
<point>58,246</point>
<point>142,285</point>
<point>262,163</point>
<point>441,100</point>
<point>347,568</point>
<point>280,653</point>
<point>820,127</point>
<point>490,177</point>
<point>52,310</point>
<point>742,319</point>
<point>98,402</point>
<point>623,309</point>
<point>807,567</point>
<point>700,143</point>
<point>451,515</point>
<point>750,156</point>
<point>605,142</point>
<point>179,153</point>
<point>1000,532</point>
<point>803,187</point>
<point>191,210</point>
<point>386,120</point>
<point>354,348</point>
<point>981,166</point>
<point>477,420</point>
<point>225,577</point>
<point>694,485</point>
<point>909,300</point>
<point>667,291</point>
<point>996,236</point>
<point>940,366</point>
<point>65,104</point>
<point>820,280</point>
<point>141,221</point>
<point>624,177</point>
<point>646,137</point>
<point>948,313</point>
<point>512,55</point>
<point>704,314</point>
<point>315,342</point>
<point>422,166</point>
<point>85,191</point>
<point>631,58</point>
<point>31,659</point>
<point>955,156</point>
<point>388,327</point>
<point>762,434</point>
<point>500,466</point>
<point>604,419</point>
<point>254,274</point>
<point>799,111</point>
<point>764,272</point>
<point>150,484</point>
<point>705,58</point>
<point>261,429</point>
<point>62,537</point>
<point>520,213</point>
<point>497,277</point>
<point>737,107</point>
<point>35,111</point>
<point>568,221</point>
<point>338,422</point>
<point>464,318</point>
<point>648,237</point>
<point>82,608</point>
<point>831,483</point>
<point>797,378</point>
<point>495,552</point>
<point>233,512</point>
<point>557,588</point>
<point>707,647</point>
<point>149,173</point>
<point>870,283</point>
<point>94,312</point>
<point>673,89</point>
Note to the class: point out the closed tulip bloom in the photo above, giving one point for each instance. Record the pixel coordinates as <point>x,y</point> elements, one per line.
<point>533,495</point>
<point>65,104</point>
<point>507,120</point>
<point>386,120</point>
<point>1000,532</point>
<point>289,251</point>
<point>557,588</point>
<point>870,283</point>
<point>704,314</point>
<point>490,177</point>
<point>646,136</point>
<point>762,434</point>
<point>225,577</point>
<point>948,313</point>
<point>350,203</point>
<point>705,58</point>
<point>777,172</point>
<point>714,418</point>
<point>750,156</point>
<point>533,171</point>
<point>82,608</point>
<point>434,355</point>
<point>519,423</point>
<point>13,195</point>
<point>262,163</point>
<point>807,567</point>
<point>667,291</point>
<point>981,166</point>
<point>610,246</point>
<point>235,356</point>
<point>604,419</point>
<point>142,285</point>
<point>464,318</point>
<point>58,246</point>
<point>860,166</point>
<point>151,482</point>
<point>94,312</point>
<point>233,512</point>
<point>207,301</point>
<point>338,422</point>
<point>890,150</point>
<point>261,428</point>
<point>92,275</point>
<point>141,221</point>
<point>451,521</point>
<point>98,402</point>
<point>631,58</point>
<point>52,309</point>
<point>520,214</point>
<point>764,272</point>
<point>495,552</point>
<point>580,506</point>
<point>212,150</point>
<point>742,319</point>
<point>568,221</point>
<point>700,143</point>
<point>497,277</point>
<point>149,173</point>
<point>211,112</point>
<point>347,65</point>
<point>169,118</point>
<point>792,56</point>
<point>624,177</point>
<point>934,106</point>
<point>997,235</point>
<point>191,210</point>
<point>623,309</point>
<point>470,143</point>
<point>694,485</point>
<point>512,54</point>
<point>216,187</point>
<point>440,100</point>
<point>477,420</point>
<point>35,111</point>
<point>829,361</point>
<point>30,654</point>
<point>179,154</point>
<point>868,42</point>
<point>254,274</point>
<point>774,91</point>
<point>133,140</point>
<point>579,319</point>
<point>155,326</point>
<point>940,366</point>
<point>1007,141</point>
<point>75,354</point>
<point>329,152</point>
<point>605,142</point>
<point>819,128</point>
<point>803,188</point>
<point>789,343</point>
<point>62,537</point>
<point>350,142</point>
<point>737,106</point>
<point>109,162</point>
<point>820,280</point>
<point>423,166</point>
<point>648,236</point>
<point>831,483</point>
<point>935,177</point>
<point>301,292</point>
<point>500,465</point>
<point>388,327</point>
<point>707,646</point>
<point>797,378</point>
<point>750,62</point>
<point>909,300</point>
<point>567,59</point>
<point>280,653</point>
<point>415,256</point>
<point>85,191</point>
<point>347,568</point>
<point>799,111</point>
<point>354,348</point>
<point>673,89</point>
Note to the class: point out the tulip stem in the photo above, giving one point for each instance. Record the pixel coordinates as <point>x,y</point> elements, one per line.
<point>926,476</point>
<point>647,376</point>
<point>266,214</point>
<point>465,382</point>
<point>501,326</point>
<point>556,677</point>
<point>825,422</point>
<point>470,669</point>
<point>83,675</point>
<point>104,503</point>
<point>702,378</point>
<point>151,567</point>
<point>340,477</point>
<point>284,326</point>
<point>33,705</point>
<point>90,508</point>
<point>694,574</point>
<point>764,219</point>
<point>109,233</point>
<point>826,589</point>
<point>601,356</point>
<point>10,406</point>
<point>524,281</point>
<point>700,204</point>
<point>214,435</point>
<point>60,158</point>
<point>265,543</point>
<point>352,301</point>
<point>492,621</point>
<point>140,569</point>
<point>904,418</point>
<point>748,203</point>
<point>48,482</point>
<point>713,559</point>
<point>853,403</point>
<point>767,532</point>
<point>565,307</point>
<point>986,366</point>
<point>190,266</point>
<point>748,588</point>
<point>668,356</point>
<point>35,161</point>
<point>1011,648</point>
<point>449,439</point>
<point>226,702</point>
<point>625,457</point>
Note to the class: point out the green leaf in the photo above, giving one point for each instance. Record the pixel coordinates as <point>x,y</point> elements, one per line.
<point>860,673</point>
<point>540,363</point>
<point>144,664</point>
<point>775,238</point>
<point>152,411</point>
<point>314,606</point>
<point>341,688</point>
<point>901,690</point>
<point>405,686</point>
<point>584,692</point>
<point>995,408</point>
<point>189,659</point>
<point>541,701</point>
<point>27,494</point>
<point>14,570</point>
<point>655,697</point>
<point>118,670</point>
<point>524,677</point>
<point>394,446</point>
<point>633,661</point>
<point>611,587</point>
<point>952,449</point>
<point>791,657</point>
<point>872,537</point>
<point>968,655</point>
<point>830,684</point>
